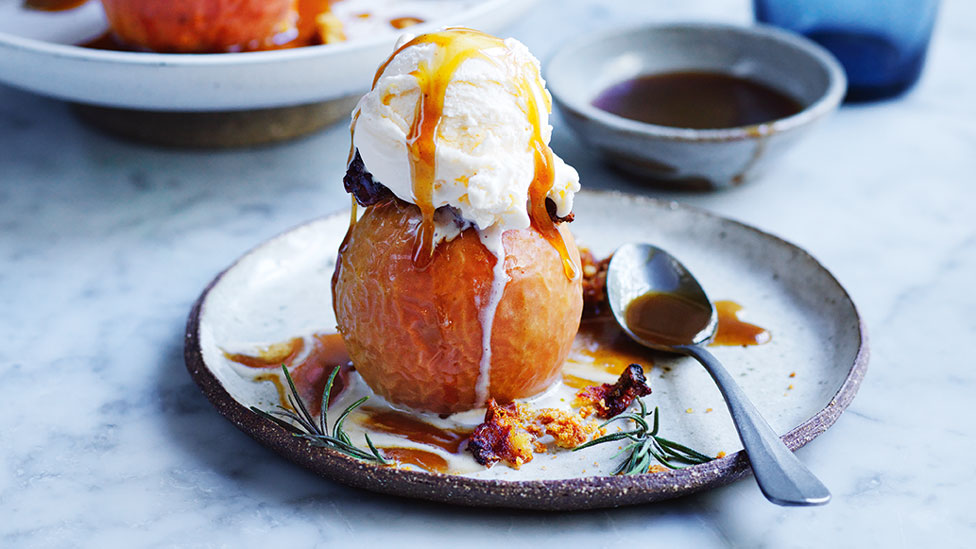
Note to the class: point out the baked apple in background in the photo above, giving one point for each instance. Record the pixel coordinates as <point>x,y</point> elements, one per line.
<point>201,26</point>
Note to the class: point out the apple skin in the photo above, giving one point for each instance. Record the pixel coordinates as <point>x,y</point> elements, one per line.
<point>415,336</point>
<point>198,26</point>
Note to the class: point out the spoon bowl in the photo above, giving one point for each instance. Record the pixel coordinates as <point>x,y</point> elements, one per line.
<point>660,304</point>
<point>640,270</point>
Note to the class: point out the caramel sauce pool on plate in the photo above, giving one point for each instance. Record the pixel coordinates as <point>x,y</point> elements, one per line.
<point>734,331</point>
<point>428,461</point>
<point>413,429</point>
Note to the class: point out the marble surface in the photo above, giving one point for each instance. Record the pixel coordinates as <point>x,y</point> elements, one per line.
<point>105,441</point>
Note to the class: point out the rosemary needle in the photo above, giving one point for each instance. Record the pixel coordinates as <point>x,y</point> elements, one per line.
<point>317,432</point>
<point>646,444</point>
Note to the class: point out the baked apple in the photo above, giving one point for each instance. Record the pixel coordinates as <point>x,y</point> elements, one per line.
<point>415,336</point>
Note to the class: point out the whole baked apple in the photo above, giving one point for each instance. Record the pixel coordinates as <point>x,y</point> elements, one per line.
<point>415,335</point>
<point>199,26</point>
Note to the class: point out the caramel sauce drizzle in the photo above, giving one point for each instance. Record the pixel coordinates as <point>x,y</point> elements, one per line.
<point>733,331</point>
<point>353,210</point>
<point>454,46</point>
<point>53,5</point>
<point>279,386</point>
<point>404,22</point>
<point>272,355</point>
<point>310,375</point>
<point>307,14</point>
<point>577,382</point>
<point>428,461</point>
<point>542,183</point>
<point>352,135</point>
<point>602,343</point>
<point>415,430</point>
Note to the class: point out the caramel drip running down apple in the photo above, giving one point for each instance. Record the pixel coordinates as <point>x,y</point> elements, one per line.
<point>352,153</point>
<point>542,180</point>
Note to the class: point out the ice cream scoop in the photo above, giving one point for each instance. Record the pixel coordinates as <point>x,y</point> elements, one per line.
<point>459,118</point>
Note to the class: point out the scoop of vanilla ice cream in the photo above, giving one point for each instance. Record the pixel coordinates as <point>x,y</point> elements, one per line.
<point>484,164</point>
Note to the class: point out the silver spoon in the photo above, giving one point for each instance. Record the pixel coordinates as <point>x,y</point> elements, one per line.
<point>638,270</point>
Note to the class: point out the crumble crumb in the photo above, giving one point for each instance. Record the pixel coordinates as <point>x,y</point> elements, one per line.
<point>568,430</point>
<point>511,433</point>
<point>502,436</point>
<point>607,401</point>
<point>594,283</point>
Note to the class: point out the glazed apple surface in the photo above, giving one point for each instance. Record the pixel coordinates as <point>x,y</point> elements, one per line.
<point>415,335</point>
<point>199,26</point>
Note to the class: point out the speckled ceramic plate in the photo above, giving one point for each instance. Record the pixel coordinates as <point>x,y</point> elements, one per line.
<point>801,380</point>
<point>38,53</point>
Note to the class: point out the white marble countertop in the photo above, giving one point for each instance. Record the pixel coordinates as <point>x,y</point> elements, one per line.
<point>105,441</point>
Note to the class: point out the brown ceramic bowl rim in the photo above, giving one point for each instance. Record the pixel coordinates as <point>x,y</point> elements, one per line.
<point>824,104</point>
<point>564,494</point>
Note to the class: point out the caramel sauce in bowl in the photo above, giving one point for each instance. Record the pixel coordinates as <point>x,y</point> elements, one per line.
<point>698,100</point>
<point>663,79</point>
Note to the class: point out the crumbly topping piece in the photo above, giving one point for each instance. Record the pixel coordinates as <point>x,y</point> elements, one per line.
<point>502,436</point>
<point>607,401</point>
<point>511,433</point>
<point>568,430</point>
<point>594,283</point>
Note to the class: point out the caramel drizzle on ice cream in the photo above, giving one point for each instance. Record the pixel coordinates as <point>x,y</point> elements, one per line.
<point>542,183</point>
<point>454,46</point>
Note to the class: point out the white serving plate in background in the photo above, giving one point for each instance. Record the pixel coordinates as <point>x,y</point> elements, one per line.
<point>38,54</point>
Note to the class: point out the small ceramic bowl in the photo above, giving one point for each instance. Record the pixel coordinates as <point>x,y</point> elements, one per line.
<point>683,157</point>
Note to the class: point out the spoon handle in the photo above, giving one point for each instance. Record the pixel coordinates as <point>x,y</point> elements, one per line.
<point>783,479</point>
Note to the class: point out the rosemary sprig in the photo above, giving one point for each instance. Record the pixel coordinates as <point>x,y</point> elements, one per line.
<point>645,444</point>
<point>317,432</point>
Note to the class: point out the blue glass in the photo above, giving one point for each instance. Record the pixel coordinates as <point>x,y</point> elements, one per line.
<point>881,43</point>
